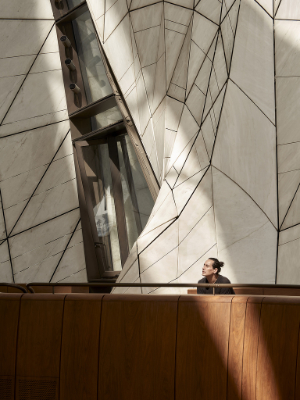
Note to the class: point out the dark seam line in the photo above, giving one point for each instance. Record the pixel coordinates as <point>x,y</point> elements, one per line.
<point>32,129</point>
<point>44,222</point>
<point>146,29</point>
<point>172,83</point>
<point>255,380</point>
<point>289,227</point>
<point>276,131</point>
<point>263,9</point>
<point>199,88</point>
<point>61,342</point>
<point>228,10</point>
<point>289,206</point>
<point>235,34</point>
<point>7,111</point>
<point>8,246</point>
<point>105,39</point>
<point>245,316</point>
<point>295,386</point>
<point>106,10</point>
<point>223,47</point>
<point>202,15</point>
<point>189,55</point>
<point>287,77</point>
<point>172,30</point>
<point>282,244</point>
<point>247,195</point>
<point>39,183</point>
<point>287,19</point>
<point>61,280</point>
<point>179,23</point>
<point>64,251</point>
<point>252,101</point>
<point>275,12</point>
<point>206,212</point>
<point>17,346</point>
<point>200,170</point>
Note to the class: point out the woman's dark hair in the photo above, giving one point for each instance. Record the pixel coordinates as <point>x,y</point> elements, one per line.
<point>217,264</point>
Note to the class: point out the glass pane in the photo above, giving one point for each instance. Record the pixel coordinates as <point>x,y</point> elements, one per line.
<point>93,72</point>
<point>137,199</point>
<point>105,118</point>
<point>73,3</point>
<point>100,183</point>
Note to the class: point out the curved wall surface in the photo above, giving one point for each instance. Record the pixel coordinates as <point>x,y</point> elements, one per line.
<point>212,87</point>
<point>40,234</point>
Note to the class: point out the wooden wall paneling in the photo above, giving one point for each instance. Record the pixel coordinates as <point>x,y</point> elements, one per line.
<point>3,289</point>
<point>137,347</point>
<point>253,311</point>
<point>297,383</point>
<point>9,319</point>
<point>277,349</point>
<point>236,346</point>
<point>80,347</point>
<point>202,347</point>
<point>39,343</point>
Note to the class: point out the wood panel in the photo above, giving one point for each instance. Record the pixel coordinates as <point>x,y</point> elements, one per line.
<point>277,349</point>
<point>137,347</point>
<point>202,347</point>
<point>39,343</point>
<point>9,319</point>
<point>236,346</point>
<point>250,347</point>
<point>80,347</point>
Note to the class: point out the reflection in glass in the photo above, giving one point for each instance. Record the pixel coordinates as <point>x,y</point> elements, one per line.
<point>73,3</point>
<point>105,118</point>
<point>96,83</point>
<point>137,200</point>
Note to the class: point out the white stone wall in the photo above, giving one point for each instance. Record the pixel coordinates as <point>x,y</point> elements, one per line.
<point>40,233</point>
<point>213,87</point>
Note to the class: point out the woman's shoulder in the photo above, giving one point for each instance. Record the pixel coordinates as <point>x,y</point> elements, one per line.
<point>203,280</point>
<point>223,279</point>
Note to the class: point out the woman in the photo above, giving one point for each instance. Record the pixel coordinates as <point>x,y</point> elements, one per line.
<point>211,272</point>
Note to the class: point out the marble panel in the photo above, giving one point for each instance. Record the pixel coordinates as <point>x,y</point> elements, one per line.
<point>154,163</point>
<point>288,103</point>
<point>174,42</point>
<point>143,106</point>
<point>208,135</point>
<point>118,47</point>
<point>9,88</point>
<point>172,26</point>
<point>99,24</point>
<point>201,150</point>
<point>40,94</point>
<point>165,213</point>
<point>195,103</point>
<point>13,66</point>
<point>72,265</point>
<point>171,177</point>
<point>159,248</point>
<point>197,57</point>
<point>288,261</point>
<point>228,28</point>
<point>128,80</point>
<point>5,266</point>
<point>163,271</point>
<point>180,73</point>
<point>267,5</point>
<point>147,17</point>
<point>211,9</point>
<point>31,9</point>
<point>184,3</point>
<point>18,153</point>
<point>288,183</point>
<point>293,215</point>
<point>203,32</point>
<point>246,238</point>
<point>214,100</point>
<point>42,235</point>
<point>288,9</point>
<point>194,272</point>
<point>131,259</point>
<point>253,65</point>
<point>96,8</point>
<point>159,131</point>
<point>174,110</point>
<point>141,3</point>
<point>148,75</point>
<point>176,92</point>
<point>131,276</point>
<point>177,14</point>
<point>32,123</point>
<point>288,157</point>
<point>44,206</point>
<point>181,159</point>
<point>197,206</point>
<point>202,78</point>
<point>147,44</point>
<point>2,223</point>
<point>287,48</point>
<point>186,131</point>
<point>46,62</point>
<point>219,66</point>
<point>254,136</point>
<point>114,16</point>
<point>131,101</point>
<point>227,5</point>
<point>198,241</point>
<point>160,87</point>
<point>147,238</point>
<point>25,37</point>
<point>289,235</point>
<point>183,191</point>
<point>51,44</point>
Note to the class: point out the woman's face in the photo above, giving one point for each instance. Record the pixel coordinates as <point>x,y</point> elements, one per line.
<point>208,269</point>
